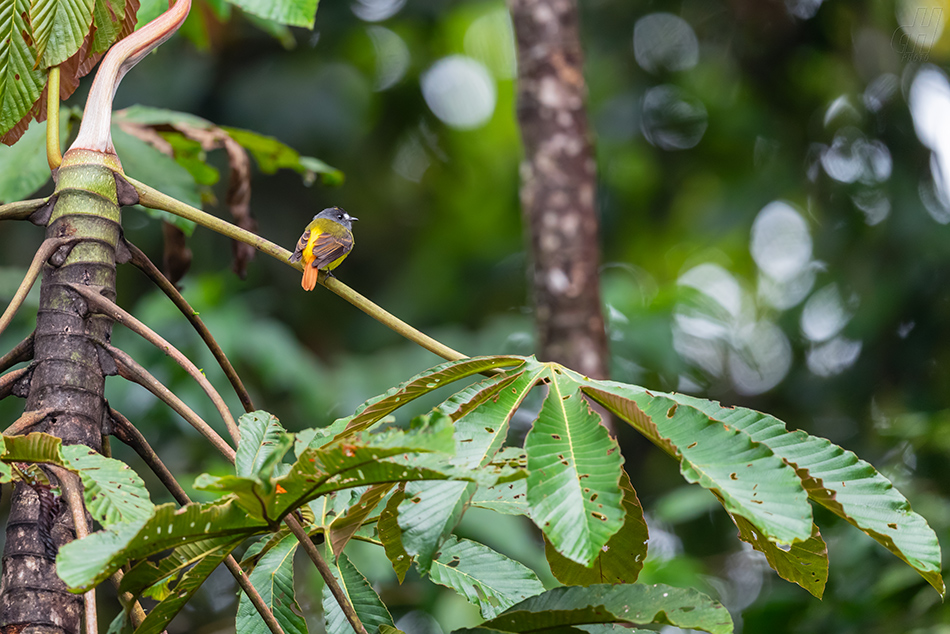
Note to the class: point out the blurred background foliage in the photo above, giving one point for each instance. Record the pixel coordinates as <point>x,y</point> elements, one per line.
<point>774,211</point>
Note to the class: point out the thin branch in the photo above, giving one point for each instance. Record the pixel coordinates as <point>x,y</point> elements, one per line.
<point>140,260</point>
<point>136,613</point>
<point>21,209</point>
<point>23,351</point>
<point>106,306</point>
<point>46,249</point>
<point>72,492</point>
<point>9,380</point>
<point>132,371</point>
<point>127,433</point>
<point>27,420</point>
<point>54,155</point>
<point>155,199</point>
<point>311,549</point>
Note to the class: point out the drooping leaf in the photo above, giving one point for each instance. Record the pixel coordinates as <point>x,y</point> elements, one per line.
<point>344,527</point>
<point>59,28</point>
<point>289,12</point>
<point>113,491</point>
<point>272,155</point>
<point>161,615</point>
<point>620,560</point>
<point>263,440</point>
<point>35,447</point>
<point>84,563</point>
<point>143,162</point>
<point>747,476</point>
<point>844,484</point>
<point>484,577</point>
<point>369,607</point>
<point>391,535</point>
<point>273,577</point>
<point>633,604</point>
<point>574,469</point>
<point>804,563</point>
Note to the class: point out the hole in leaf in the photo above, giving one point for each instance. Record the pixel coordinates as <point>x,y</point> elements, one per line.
<point>600,516</point>
<point>892,525</point>
<point>454,563</point>
<point>593,497</point>
<point>692,445</point>
<point>671,411</point>
<point>556,436</point>
<point>490,430</point>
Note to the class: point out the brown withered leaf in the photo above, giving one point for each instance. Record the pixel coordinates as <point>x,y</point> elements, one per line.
<point>176,259</point>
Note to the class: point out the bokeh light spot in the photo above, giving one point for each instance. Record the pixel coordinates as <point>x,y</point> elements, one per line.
<point>459,91</point>
<point>664,42</point>
<point>672,120</point>
<point>780,244</point>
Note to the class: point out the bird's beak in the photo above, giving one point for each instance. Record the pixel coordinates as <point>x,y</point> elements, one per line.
<point>353,218</point>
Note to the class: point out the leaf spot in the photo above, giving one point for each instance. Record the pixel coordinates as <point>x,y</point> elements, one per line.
<point>892,526</point>
<point>600,516</point>
<point>690,446</point>
<point>593,498</point>
<point>556,436</point>
<point>670,412</point>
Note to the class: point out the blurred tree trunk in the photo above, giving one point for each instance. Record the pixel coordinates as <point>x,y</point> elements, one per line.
<point>558,190</point>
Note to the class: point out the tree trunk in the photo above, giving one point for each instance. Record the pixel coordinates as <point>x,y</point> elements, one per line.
<point>66,376</point>
<point>558,191</point>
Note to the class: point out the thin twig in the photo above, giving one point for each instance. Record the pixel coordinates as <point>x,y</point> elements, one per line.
<point>21,352</point>
<point>311,549</point>
<point>54,155</point>
<point>132,371</point>
<point>72,492</point>
<point>108,307</point>
<point>9,380</point>
<point>140,260</point>
<point>136,613</point>
<point>21,209</point>
<point>127,433</point>
<point>153,198</point>
<point>27,420</point>
<point>46,249</point>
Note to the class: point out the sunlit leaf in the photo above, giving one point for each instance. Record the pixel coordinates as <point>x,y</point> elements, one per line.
<point>484,577</point>
<point>574,472</point>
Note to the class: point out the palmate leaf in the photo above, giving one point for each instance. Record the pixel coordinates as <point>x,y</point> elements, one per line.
<point>844,484</point>
<point>484,577</point>
<point>20,84</point>
<point>482,413</point>
<point>113,491</point>
<point>273,577</point>
<point>632,604</point>
<point>263,442</point>
<point>621,558</point>
<point>422,384</point>
<point>747,476</point>
<point>573,473</point>
<point>59,28</point>
<point>369,607</point>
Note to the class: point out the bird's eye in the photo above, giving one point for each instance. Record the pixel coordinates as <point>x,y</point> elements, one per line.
<point>340,216</point>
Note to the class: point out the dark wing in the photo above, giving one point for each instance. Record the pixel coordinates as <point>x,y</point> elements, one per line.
<point>327,249</point>
<point>301,245</point>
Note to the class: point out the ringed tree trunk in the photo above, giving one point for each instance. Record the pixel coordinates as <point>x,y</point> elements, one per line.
<point>558,191</point>
<point>67,377</point>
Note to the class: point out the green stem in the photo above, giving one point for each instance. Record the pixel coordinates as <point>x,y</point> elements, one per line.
<point>155,199</point>
<point>54,156</point>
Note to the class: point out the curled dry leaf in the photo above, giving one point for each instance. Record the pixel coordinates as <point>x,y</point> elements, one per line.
<point>176,260</point>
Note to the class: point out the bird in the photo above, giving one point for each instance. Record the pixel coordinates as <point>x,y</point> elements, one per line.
<point>325,243</point>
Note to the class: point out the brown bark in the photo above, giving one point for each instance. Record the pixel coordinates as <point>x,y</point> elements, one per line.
<point>558,192</point>
<point>68,381</point>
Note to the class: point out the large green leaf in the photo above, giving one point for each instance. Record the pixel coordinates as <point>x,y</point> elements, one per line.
<point>59,28</point>
<point>633,604</point>
<point>154,578</point>
<point>844,484</point>
<point>428,514</point>
<point>345,526</point>
<point>107,17</point>
<point>20,83</point>
<point>273,577</point>
<point>113,491</point>
<point>746,475</point>
<point>289,12</point>
<point>84,563</point>
<point>272,155</point>
<point>620,560</point>
<point>391,535</point>
<point>369,607</point>
<point>422,384</point>
<point>484,577</point>
<point>574,469</point>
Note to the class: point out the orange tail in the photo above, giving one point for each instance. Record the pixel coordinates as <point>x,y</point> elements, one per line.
<point>309,280</point>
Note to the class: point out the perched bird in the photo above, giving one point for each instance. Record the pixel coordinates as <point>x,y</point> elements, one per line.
<point>325,243</point>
